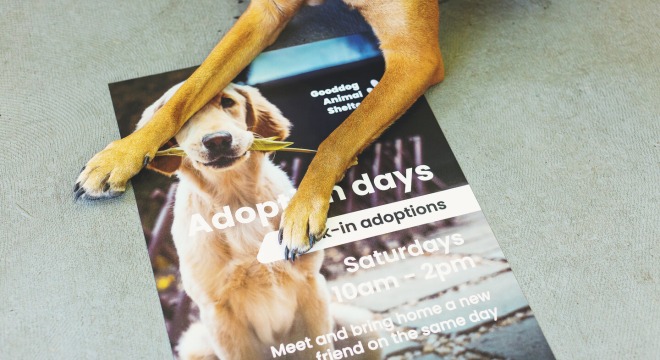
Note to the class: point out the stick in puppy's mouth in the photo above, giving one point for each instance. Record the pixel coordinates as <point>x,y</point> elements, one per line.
<point>258,144</point>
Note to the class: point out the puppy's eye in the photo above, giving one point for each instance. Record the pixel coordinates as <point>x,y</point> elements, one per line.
<point>227,102</point>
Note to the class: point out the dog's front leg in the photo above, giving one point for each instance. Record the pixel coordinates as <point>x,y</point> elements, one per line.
<point>107,173</point>
<point>408,31</point>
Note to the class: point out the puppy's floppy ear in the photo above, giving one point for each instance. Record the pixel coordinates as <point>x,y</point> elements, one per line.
<point>262,117</point>
<point>166,165</point>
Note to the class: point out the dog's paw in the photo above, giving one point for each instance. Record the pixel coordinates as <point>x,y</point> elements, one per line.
<point>303,223</point>
<point>106,174</point>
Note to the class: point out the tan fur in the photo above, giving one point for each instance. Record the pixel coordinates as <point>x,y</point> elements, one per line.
<point>245,306</point>
<point>408,34</point>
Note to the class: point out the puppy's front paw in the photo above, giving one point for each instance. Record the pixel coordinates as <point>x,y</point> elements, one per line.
<point>303,223</point>
<point>106,174</point>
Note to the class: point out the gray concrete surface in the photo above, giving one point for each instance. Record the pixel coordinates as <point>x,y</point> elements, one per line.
<point>550,106</point>
<point>515,342</point>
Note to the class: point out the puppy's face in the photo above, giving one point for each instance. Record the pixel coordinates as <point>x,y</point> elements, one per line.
<point>220,134</point>
<point>217,136</point>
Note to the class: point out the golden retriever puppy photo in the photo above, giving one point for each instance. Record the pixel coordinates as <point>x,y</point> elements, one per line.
<point>245,307</point>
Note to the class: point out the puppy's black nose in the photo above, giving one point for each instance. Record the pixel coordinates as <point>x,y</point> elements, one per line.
<point>218,141</point>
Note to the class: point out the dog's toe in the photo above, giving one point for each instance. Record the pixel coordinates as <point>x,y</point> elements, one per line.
<point>97,183</point>
<point>312,240</point>
<point>105,176</point>
<point>303,225</point>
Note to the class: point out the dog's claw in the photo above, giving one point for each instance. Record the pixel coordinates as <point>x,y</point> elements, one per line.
<point>312,240</point>
<point>76,187</point>
<point>80,192</point>
<point>291,253</point>
<point>146,161</point>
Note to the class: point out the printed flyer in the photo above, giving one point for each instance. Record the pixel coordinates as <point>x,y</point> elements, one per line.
<point>408,268</point>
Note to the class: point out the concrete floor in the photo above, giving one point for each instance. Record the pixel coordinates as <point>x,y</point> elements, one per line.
<point>551,108</point>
